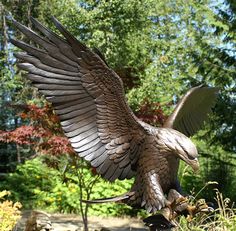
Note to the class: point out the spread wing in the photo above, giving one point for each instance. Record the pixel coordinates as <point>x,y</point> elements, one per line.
<point>87,96</point>
<point>192,110</point>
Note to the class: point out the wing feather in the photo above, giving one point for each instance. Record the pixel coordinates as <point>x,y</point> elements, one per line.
<point>51,48</point>
<point>74,140</point>
<point>42,79</point>
<point>37,63</point>
<point>43,56</point>
<point>69,98</point>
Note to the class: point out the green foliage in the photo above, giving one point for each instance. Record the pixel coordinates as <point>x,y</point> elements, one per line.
<point>37,185</point>
<point>105,189</point>
<point>27,179</point>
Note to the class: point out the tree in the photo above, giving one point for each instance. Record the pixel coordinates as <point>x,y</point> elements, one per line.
<point>219,64</point>
<point>8,88</point>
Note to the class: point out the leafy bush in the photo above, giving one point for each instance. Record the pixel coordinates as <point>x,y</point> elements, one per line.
<point>38,186</point>
<point>27,180</point>
<point>9,212</point>
<point>104,189</point>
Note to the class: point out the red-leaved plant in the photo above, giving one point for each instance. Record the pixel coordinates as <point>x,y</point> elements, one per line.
<point>43,131</point>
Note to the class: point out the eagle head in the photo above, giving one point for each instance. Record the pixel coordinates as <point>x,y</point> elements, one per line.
<point>177,143</point>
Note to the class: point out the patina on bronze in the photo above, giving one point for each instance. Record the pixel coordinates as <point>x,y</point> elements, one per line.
<point>89,99</point>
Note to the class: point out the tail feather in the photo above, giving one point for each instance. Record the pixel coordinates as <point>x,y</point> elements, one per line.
<point>120,198</point>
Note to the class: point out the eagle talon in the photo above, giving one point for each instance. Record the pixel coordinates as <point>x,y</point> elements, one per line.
<point>199,207</point>
<point>176,205</point>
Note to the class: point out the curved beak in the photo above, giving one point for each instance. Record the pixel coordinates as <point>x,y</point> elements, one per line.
<point>195,165</point>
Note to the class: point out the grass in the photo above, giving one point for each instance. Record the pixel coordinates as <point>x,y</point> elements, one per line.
<point>222,219</point>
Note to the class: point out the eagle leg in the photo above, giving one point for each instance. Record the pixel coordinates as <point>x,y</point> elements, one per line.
<point>180,205</point>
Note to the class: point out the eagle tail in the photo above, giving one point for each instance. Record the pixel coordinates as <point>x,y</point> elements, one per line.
<point>118,199</point>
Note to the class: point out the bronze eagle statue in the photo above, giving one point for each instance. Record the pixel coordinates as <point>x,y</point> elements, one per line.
<point>89,99</point>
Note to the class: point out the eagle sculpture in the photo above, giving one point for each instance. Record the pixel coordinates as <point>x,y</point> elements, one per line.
<point>89,99</point>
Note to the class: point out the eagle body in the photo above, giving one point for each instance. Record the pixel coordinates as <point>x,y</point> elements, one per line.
<point>152,183</point>
<point>89,98</point>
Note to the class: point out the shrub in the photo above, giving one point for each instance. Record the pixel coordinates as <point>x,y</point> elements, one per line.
<point>39,186</point>
<point>27,180</point>
<point>9,212</point>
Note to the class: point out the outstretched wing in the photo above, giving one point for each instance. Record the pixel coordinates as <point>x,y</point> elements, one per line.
<point>192,110</point>
<point>87,96</point>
